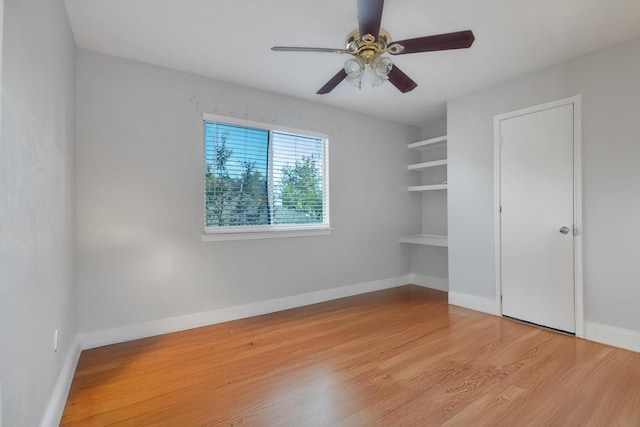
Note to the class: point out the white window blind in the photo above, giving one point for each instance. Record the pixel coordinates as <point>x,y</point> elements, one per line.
<point>262,179</point>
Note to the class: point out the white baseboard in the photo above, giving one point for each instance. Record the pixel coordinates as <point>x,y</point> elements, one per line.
<point>473,302</point>
<point>611,335</point>
<point>430,282</point>
<point>189,321</point>
<point>58,400</point>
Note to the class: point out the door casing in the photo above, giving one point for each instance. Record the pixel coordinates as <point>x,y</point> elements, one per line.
<point>576,101</point>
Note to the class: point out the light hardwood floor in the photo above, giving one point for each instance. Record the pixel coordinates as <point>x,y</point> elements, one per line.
<point>400,357</point>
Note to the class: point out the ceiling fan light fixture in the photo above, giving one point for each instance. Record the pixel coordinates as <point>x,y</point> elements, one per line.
<point>355,68</point>
<point>381,67</point>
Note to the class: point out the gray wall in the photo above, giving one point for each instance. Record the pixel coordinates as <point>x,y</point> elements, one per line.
<point>140,201</point>
<point>609,84</point>
<point>37,291</point>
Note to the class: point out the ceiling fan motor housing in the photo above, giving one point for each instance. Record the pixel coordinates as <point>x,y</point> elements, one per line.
<point>367,47</point>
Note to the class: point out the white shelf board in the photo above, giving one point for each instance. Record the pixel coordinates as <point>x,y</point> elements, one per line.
<point>427,142</point>
<point>425,165</point>
<point>426,239</point>
<point>428,187</point>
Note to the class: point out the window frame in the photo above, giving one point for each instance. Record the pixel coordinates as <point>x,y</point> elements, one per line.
<point>217,233</point>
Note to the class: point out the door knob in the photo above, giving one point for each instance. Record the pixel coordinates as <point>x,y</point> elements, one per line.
<point>565,230</point>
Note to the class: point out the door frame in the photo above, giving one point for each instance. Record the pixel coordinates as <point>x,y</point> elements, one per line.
<point>576,101</point>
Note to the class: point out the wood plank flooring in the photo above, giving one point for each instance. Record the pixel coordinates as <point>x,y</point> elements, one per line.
<point>400,357</point>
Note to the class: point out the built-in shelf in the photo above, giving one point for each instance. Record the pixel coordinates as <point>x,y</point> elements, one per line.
<point>428,187</point>
<point>425,165</point>
<point>422,144</point>
<point>426,239</point>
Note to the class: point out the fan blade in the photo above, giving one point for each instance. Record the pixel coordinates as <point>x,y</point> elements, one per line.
<point>401,80</point>
<point>458,40</point>
<point>369,17</point>
<point>331,84</point>
<point>307,49</point>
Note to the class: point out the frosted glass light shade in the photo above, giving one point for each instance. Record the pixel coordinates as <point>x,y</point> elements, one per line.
<point>355,70</point>
<point>380,67</point>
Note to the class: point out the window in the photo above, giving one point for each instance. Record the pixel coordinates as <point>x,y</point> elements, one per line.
<point>263,181</point>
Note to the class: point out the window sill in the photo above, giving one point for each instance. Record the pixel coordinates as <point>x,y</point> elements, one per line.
<point>271,234</point>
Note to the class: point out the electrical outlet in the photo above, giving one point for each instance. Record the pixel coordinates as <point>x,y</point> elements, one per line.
<point>55,340</point>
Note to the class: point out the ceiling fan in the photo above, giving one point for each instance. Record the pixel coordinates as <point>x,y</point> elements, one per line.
<point>369,42</point>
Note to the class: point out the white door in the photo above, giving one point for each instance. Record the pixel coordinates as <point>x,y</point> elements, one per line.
<point>536,199</point>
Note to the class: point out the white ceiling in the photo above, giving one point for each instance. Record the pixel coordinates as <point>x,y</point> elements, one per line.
<point>230,40</point>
